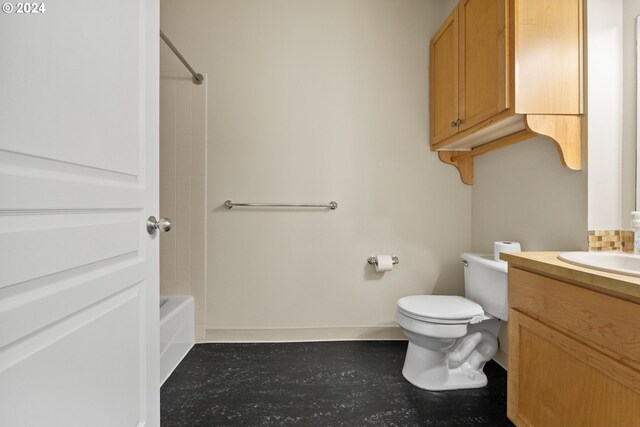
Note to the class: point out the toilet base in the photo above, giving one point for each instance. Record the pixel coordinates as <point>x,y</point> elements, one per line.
<point>439,376</point>
<point>450,364</point>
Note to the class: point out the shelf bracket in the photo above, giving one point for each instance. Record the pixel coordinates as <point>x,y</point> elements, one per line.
<point>565,132</point>
<point>463,160</point>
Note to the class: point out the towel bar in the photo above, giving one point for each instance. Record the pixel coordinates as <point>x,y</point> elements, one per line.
<point>331,205</point>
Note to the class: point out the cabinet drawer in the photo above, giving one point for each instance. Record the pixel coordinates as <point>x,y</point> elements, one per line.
<point>608,324</point>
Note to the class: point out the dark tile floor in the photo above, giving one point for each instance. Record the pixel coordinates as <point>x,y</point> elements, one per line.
<point>318,384</point>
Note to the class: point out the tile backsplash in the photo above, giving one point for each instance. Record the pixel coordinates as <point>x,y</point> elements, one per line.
<point>610,240</point>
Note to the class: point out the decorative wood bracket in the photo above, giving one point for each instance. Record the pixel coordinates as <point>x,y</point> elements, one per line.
<point>564,131</point>
<point>462,160</point>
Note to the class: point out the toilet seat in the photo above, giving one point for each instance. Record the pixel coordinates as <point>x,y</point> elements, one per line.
<point>444,309</point>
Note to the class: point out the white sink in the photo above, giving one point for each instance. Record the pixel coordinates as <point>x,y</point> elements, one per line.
<point>613,262</point>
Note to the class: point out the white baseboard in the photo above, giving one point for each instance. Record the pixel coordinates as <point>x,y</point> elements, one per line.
<point>373,333</point>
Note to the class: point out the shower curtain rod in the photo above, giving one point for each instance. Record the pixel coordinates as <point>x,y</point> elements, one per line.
<point>197,78</point>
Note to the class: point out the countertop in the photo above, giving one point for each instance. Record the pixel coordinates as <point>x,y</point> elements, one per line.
<point>548,264</point>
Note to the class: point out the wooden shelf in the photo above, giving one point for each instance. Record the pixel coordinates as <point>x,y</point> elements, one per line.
<point>564,131</point>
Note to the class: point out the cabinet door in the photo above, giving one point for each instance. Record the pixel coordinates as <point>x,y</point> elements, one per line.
<point>443,80</point>
<point>555,380</point>
<point>484,64</point>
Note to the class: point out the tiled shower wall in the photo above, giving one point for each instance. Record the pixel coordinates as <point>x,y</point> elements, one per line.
<point>183,111</point>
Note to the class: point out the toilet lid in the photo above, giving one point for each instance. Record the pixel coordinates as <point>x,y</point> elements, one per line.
<point>440,307</point>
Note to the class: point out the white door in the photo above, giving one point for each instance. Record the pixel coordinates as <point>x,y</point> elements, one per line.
<point>78,178</point>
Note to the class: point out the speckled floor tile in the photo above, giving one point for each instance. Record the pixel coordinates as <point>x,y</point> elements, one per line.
<point>318,384</point>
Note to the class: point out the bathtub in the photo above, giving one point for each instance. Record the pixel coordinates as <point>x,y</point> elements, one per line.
<point>176,332</point>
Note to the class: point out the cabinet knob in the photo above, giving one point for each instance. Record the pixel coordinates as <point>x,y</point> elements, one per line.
<point>456,123</point>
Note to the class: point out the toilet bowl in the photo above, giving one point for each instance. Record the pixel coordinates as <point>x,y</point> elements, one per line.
<point>452,337</point>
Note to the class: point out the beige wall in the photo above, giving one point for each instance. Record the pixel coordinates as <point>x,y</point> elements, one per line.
<point>523,193</point>
<point>312,101</point>
<point>631,9</point>
<point>328,100</point>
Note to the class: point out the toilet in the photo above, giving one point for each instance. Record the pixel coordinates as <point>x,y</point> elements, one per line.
<point>452,337</point>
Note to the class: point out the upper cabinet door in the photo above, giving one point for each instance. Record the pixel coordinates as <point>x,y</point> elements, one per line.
<point>443,80</point>
<point>484,60</point>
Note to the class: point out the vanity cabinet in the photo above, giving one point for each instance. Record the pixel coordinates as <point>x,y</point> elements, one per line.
<point>574,351</point>
<point>502,71</point>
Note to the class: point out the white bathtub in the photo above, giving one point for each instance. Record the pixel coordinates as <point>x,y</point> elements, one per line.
<point>176,332</point>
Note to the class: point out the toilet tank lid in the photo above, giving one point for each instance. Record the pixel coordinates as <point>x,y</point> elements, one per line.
<point>440,306</point>
<point>485,260</point>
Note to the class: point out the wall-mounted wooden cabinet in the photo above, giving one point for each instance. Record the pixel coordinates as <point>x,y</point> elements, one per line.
<point>469,75</point>
<point>502,71</point>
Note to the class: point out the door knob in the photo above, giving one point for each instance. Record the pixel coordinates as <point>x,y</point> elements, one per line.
<point>162,224</point>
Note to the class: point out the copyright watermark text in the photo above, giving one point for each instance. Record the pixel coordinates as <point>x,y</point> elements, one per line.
<point>24,8</point>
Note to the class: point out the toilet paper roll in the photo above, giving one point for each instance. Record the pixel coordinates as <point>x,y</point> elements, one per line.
<point>384,263</point>
<point>506,247</point>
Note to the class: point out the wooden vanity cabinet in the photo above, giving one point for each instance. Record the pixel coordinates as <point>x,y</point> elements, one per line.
<point>574,354</point>
<point>502,71</point>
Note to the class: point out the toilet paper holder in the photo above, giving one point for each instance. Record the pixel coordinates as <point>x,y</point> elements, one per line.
<point>373,261</point>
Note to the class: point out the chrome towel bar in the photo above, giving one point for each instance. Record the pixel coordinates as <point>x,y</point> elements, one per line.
<point>331,205</point>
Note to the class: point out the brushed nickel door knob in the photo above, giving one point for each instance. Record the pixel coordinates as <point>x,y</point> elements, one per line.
<point>162,224</point>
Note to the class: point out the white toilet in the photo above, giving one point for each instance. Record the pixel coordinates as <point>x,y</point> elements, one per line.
<point>452,337</point>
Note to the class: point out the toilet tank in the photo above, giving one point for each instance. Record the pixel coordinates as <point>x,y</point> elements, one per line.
<point>485,282</point>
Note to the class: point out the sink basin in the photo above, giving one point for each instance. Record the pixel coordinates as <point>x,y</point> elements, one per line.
<point>613,262</point>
